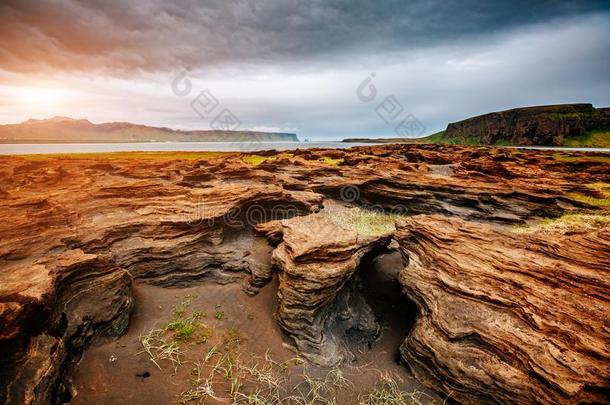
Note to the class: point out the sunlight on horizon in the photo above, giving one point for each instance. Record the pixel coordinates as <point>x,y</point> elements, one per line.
<point>39,100</point>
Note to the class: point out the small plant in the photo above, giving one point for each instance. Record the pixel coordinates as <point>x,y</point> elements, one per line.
<point>219,315</point>
<point>211,353</point>
<point>183,329</point>
<point>180,309</point>
<point>232,338</point>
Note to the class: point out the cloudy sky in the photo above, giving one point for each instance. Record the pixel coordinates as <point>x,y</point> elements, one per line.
<point>299,66</point>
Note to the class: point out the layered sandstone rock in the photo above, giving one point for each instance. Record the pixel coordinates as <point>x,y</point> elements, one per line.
<point>75,232</point>
<point>506,317</point>
<point>57,305</point>
<point>72,241</point>
<point>319,305</point>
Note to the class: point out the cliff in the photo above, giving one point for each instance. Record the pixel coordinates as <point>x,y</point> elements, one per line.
<point>549,125</point>
<point>574,125</point>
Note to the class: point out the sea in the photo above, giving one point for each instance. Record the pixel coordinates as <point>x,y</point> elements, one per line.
<point>46,148</point>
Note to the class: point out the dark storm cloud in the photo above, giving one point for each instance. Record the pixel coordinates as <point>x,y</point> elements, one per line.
<point>125,37</point>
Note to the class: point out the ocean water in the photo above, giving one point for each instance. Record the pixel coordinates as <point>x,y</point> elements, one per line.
<point>39,148</point>
<point>22,149</point>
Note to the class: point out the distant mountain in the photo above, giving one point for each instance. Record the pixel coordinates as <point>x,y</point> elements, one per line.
<point>579,125</point>
<point>69,130</point>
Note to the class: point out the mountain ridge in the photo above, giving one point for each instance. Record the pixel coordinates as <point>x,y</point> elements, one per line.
<point>60,129</point>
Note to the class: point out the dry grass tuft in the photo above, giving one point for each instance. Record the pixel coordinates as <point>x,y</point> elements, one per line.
<point>567,223</point>
<point>160,347</point>
<point>365,222</point>
<point>388,392</point>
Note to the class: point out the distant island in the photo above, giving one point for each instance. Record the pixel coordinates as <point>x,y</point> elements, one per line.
<point>69,130</point>
<point>575,125</point>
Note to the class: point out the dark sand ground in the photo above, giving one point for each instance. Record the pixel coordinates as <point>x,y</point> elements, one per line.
<point>133,378</point>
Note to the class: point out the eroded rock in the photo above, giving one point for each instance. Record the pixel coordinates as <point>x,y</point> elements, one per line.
<point>57,305</point>
<point>69,224</point>
<point>319,305</point>
<point>506,317</point>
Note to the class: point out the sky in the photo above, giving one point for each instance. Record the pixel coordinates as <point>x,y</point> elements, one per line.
<point>326,70</point>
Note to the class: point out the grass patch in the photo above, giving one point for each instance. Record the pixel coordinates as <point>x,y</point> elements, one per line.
<point>587,199</point>
<point>567,223</point>
<point>166,343</point>
<point>434,138</point>
<point>255,160</point>
<point>601,199</point>
<point>562,157</point>
<point>330,161</point>
<point>461,140</point>
<point>229,378</point>
<point>591,139</point>
<point>387,392</point>
<point>365,222</point>
<point>224,373</point>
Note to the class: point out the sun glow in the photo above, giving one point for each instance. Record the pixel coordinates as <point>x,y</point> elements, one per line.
<point>41,96</point>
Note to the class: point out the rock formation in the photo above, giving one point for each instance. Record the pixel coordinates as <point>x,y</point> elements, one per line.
<point>75,233</point>
<point>544,125</point>
<point>319,305</point>
<point>505,317</point>
<point>50,310</point>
